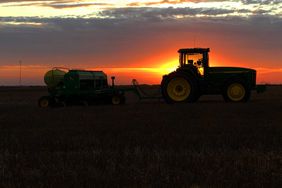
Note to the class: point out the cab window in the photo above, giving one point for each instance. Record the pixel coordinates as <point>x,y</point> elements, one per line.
<point>195,59</point>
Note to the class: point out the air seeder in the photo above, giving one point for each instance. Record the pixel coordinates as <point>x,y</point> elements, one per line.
<point>79,86</point>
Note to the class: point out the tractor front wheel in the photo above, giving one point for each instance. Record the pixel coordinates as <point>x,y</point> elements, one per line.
<point>236,92</point>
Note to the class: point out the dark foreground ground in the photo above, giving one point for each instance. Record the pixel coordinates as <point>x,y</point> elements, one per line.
<point>141,144</point>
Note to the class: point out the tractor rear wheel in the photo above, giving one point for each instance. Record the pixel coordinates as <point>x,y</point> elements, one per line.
<point>236,91</point>
<point>178,88</point>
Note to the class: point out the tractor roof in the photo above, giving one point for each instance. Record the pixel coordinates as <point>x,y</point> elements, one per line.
<point>193,50</point>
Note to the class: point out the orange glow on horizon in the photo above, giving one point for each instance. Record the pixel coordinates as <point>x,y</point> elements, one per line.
<point>163,69</point>
<point>33,74</point>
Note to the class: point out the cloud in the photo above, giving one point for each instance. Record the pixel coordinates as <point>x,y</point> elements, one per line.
<point>129,41</point>
<point>146,9</point>
<point>21,1</point>
<point>161,13</point>
<point>171,2</point>
<point>148,3</point>
<point>58,4</point>
<point>263,2</point>
<point>144,13</point>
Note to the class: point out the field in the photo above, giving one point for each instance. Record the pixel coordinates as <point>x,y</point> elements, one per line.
<point>142,143</point>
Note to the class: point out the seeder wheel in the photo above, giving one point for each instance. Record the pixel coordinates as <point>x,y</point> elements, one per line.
<point>44,102</point>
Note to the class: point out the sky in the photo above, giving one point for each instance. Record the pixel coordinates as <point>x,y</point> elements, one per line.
<point>136,39</point>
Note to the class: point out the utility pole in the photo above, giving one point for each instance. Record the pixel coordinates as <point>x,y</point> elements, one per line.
<point>20,80</point>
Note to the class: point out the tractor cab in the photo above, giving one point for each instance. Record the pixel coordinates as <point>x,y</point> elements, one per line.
<point>195,58</point>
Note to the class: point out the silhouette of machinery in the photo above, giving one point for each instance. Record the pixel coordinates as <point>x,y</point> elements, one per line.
<point>194,77</point>
<point>79,86</point>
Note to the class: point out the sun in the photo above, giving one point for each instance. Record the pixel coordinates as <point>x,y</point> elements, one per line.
<point>167,67</point>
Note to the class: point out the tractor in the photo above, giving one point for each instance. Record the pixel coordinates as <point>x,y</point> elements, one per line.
<point>194,77</point>
<point>79,86</point>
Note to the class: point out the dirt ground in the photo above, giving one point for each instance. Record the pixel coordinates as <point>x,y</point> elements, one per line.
<point>142,143</point>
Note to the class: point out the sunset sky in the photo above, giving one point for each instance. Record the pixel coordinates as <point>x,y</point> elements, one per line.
<point>137,39</point>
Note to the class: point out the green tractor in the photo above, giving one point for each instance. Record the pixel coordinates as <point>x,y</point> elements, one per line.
<point>79,86</point>
<point>194,77</point>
